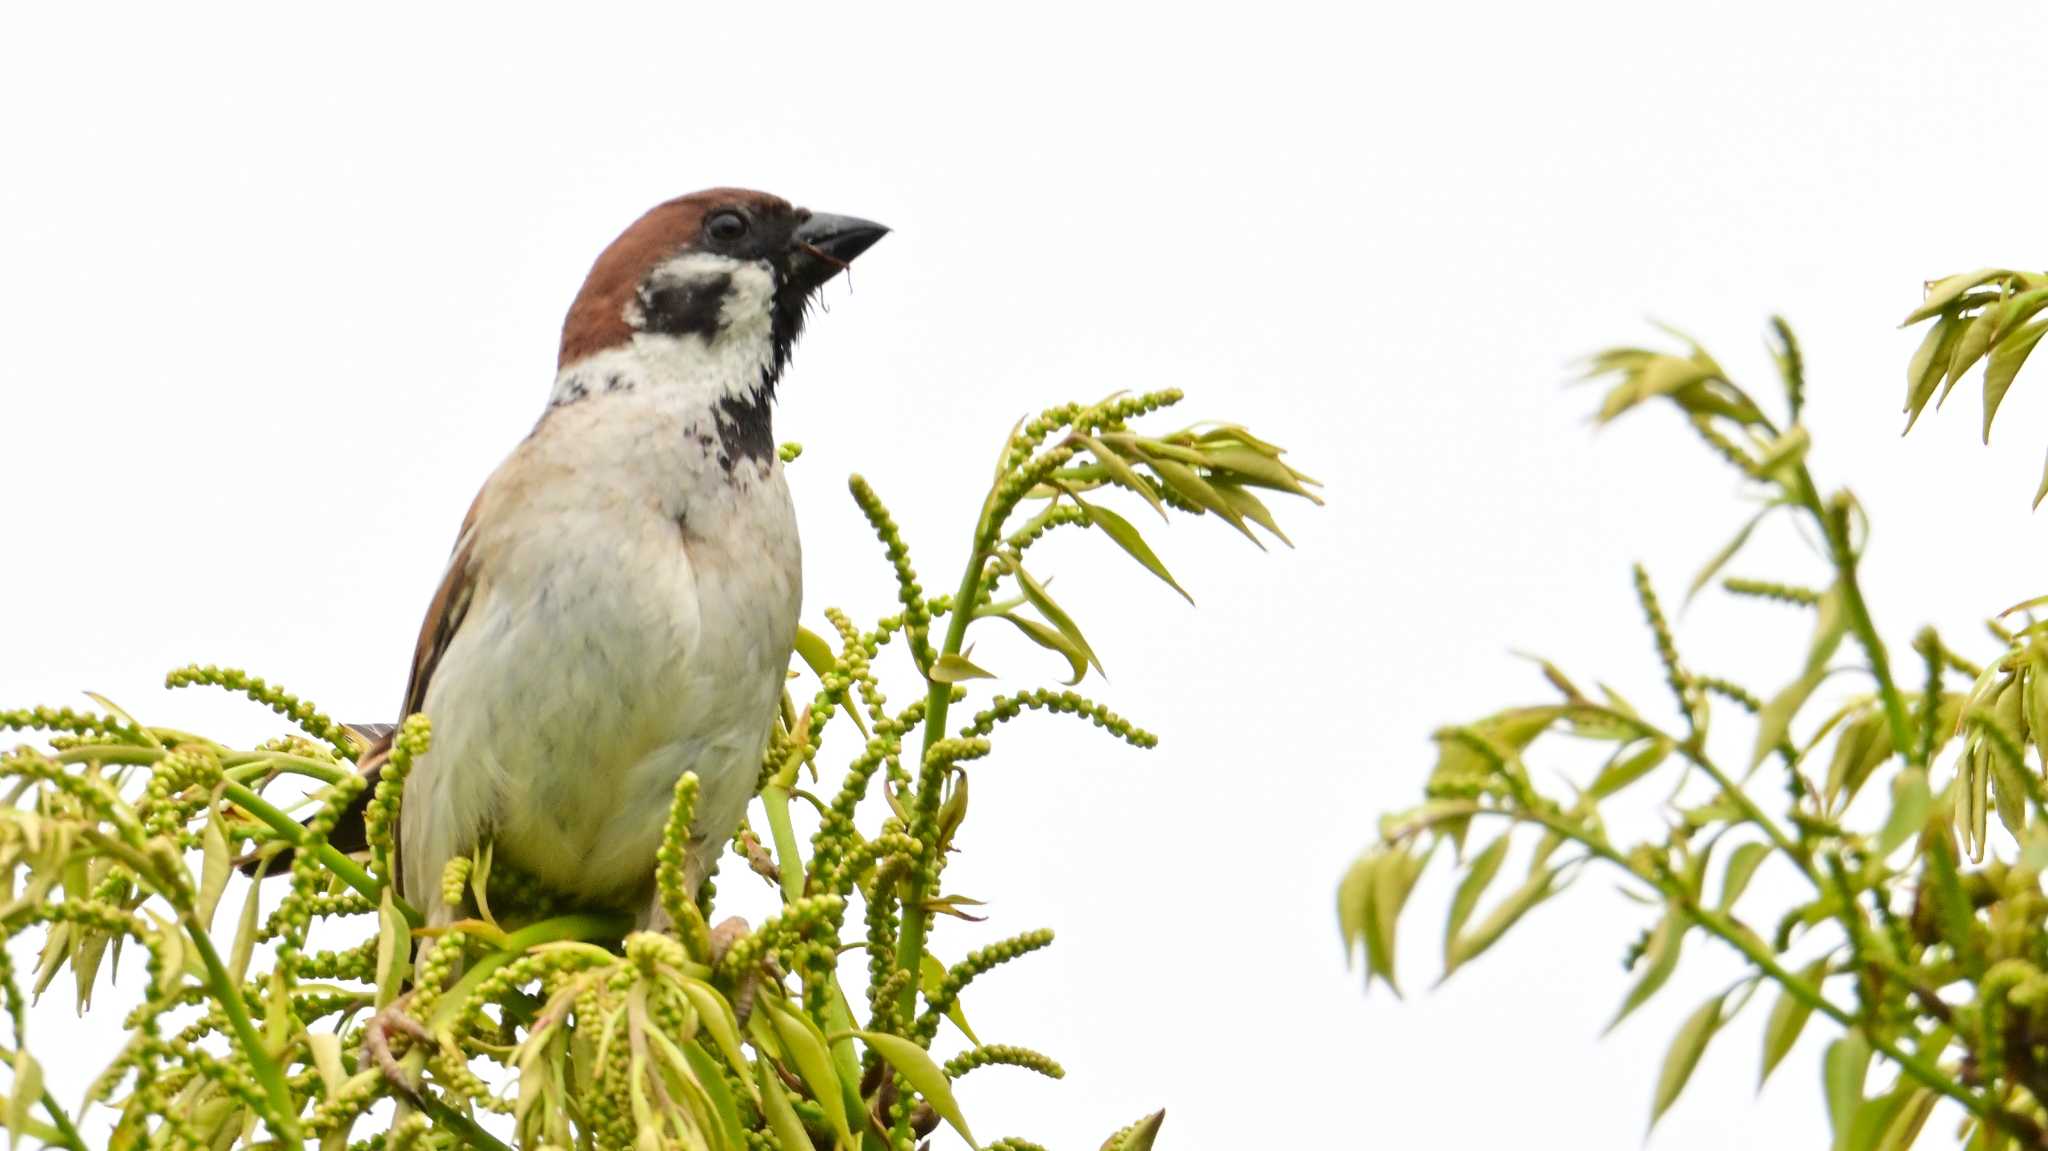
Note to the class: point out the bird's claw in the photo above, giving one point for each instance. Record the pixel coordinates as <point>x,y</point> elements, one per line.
<point>377,1045</point>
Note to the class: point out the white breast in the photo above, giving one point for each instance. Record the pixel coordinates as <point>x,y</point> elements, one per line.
<point>633,619</point>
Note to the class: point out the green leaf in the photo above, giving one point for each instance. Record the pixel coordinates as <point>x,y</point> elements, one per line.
<point>1056,615</point>
<point>1907,1121</point>
<point>394,947</point>
<point>716,1017</point>
<point>1861,748</point>
<point>931,974</point>
<point>1196,490</point>
<point>1928,367</point>
<point>1049,638</point>
<point>1742,865</point>
<point>1354,904</point>
<point>2006,358</point>
<point>1785,452</point>
<point>1660,959</point>
<point>1119,470</point>
<point>951,667</point>
<point>1843,1070</point>
<point>1478,874</point>
<point>1727,552</point>
<point>789,1130</point>
<point>924,1076</point>
<point>1774,722</point>
<point>1947,290</point>
<point>1619,773</point>
<point>1139,1136</point>
<point>807,1050</point>
<point>218,865</point>
<point>1393,880</point>
<point>23,1095</point>
<point>1533,891</point>
<point>1911,801</point>
<point>1119,529</point>
<point>1686,1048</point>
<point>1247,466</point>
<point>817,655</point>
<point>1250,507</point>
<point>712,1082</point>
<point>1788,1018</point>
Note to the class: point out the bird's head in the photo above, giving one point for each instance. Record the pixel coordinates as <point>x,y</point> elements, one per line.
<point>724,274</point>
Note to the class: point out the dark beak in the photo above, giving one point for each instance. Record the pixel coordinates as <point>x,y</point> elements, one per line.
<point>825,244</point>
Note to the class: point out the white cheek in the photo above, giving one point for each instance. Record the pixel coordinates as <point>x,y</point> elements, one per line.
<point>749,300</point>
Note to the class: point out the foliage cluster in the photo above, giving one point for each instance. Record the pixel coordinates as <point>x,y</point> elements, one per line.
<point>536,1021</point>
<point>1909,820</point>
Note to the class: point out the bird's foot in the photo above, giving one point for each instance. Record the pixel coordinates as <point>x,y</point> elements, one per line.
<point>377,1035</point>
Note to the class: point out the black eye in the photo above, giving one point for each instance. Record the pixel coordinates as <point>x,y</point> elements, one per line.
<point>725,227</point>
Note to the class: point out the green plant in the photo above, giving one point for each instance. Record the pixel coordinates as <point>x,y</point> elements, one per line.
<point>534,1018</point>
<point>1909,921</point>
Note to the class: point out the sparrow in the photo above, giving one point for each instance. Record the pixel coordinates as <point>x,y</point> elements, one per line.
<point>620,606</point>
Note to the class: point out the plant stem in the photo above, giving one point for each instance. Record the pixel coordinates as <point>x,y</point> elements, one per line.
<point>285,1118</point>
<point>344,868</point>
<point>67,1134</point>
<point>910,941</point>
<point>1744,941</point>
<point>1834,528</point>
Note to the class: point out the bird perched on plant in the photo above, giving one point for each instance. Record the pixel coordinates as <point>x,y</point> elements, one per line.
<point>621,603</point>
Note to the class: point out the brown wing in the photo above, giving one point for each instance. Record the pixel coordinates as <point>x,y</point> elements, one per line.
<point>444,615</point>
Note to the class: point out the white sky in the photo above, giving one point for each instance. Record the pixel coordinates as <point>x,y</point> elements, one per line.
<point>281,291</point>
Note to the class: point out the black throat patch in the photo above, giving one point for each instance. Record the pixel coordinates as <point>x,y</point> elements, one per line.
<point>746,430</point>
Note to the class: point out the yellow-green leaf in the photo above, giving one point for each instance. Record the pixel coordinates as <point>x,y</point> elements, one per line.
<point>2011,352</point>
<point>23,1094</point>
<point>1928,367</point>
<point>924,1076</point>
<point>1478,874</point>
<point>1727,552</point>
<point>1620,773</point>
<point>1354,905</point>
<point>1533,891</point>
<point>952,667</point>
<point>807,1050</point>
<point>708,1079</point>
<point>931,974</point>
<point>1844,1068</point>
<point>1660,959</point>
<point>1742,864</point>
<point>1196,490</point>
<point>1056,615</point>
<point>1686,1048</point>
<point>1947,290</point>
<point>1138,1136</point>
<point>1119,529</point>
<point>1250,507</point>
<point>1049,638</point>
<point>217,866</point>
<point>1119,470</point>
<point>394,947</point>
<point>817,655</point>
<point>782,1120</point>
<point>718,1019</point>
<point>1788,1018</point>
<point>1911,801</point>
